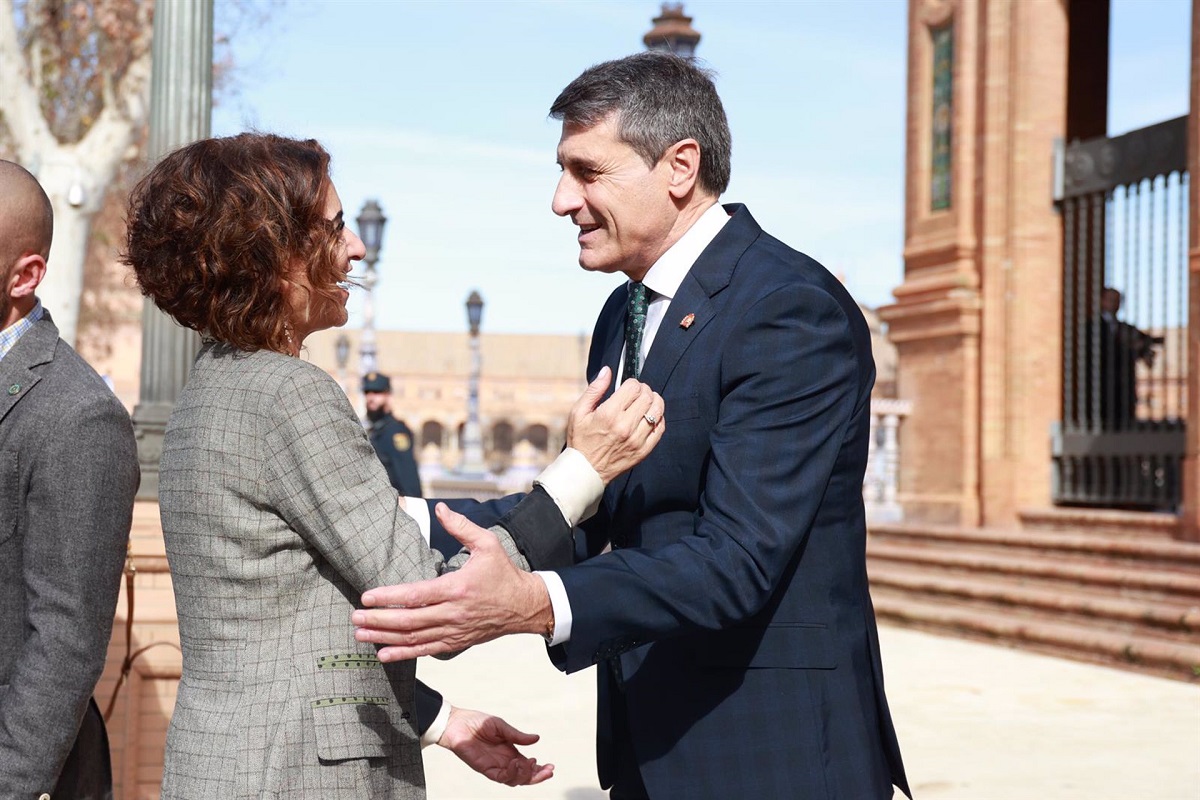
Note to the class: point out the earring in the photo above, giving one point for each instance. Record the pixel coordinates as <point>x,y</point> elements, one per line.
<point>291,342</point>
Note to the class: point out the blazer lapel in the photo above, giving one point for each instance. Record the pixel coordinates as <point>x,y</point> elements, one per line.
<point>673,337</point>
<point>34,348</point>
<point>670,343</point>
<point>612,354</point>
<point>608,337</point>
<point>708,276</point>
<point>611,329</point>
<point>694,301</point>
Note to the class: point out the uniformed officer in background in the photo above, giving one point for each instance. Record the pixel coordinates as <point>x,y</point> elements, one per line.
<point>391,438</point>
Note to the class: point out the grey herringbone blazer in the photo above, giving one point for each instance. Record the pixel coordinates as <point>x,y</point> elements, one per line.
<point>277,516</point>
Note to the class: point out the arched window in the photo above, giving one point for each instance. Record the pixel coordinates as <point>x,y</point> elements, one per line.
<point>500,446</point>
<point>502,437</point>
<point>538,436</point>
<point>431,433</point>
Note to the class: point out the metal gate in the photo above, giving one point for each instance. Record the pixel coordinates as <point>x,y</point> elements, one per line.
<point>1121,440</point>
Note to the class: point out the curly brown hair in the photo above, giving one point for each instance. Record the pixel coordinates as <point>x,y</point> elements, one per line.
<point>216,227</point>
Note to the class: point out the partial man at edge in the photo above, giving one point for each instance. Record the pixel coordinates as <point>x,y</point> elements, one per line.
<point>68,475</point>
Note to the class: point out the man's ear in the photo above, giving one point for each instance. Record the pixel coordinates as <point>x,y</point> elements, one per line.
<point>26,274</point>
<point>683,157</point>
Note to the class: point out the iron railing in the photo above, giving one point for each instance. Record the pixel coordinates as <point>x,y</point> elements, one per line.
<point>1121,439</point>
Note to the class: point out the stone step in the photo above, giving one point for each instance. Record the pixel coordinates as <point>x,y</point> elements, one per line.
<point>1126,580</point>
<point>1173,659</point>
<point>1079,545</point>
<point>1111,522</point>
<point>1155,616</point>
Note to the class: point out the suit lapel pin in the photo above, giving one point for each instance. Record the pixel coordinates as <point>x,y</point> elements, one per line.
<point>687,321</point>
<point>16,387</point>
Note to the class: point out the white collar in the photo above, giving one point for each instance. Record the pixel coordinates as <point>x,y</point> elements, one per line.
<point>665,276</point>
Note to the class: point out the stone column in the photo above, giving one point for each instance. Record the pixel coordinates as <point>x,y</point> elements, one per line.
<point>872,485</point>
<point>891,459</point>
<point>1024,93</point>
<point>472,445</point>
<point>976,321</point>
<point>180,112</point>
<point>935,321</point>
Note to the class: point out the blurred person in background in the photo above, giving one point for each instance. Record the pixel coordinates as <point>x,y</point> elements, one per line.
<point>391,438</point>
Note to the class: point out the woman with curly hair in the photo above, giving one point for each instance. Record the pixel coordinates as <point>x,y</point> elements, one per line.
<point>276,513</point>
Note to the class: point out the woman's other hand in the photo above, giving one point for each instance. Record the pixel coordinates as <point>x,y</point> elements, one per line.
<point>487,745</point>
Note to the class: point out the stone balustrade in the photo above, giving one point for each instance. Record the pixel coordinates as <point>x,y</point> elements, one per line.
<point>882,480</point>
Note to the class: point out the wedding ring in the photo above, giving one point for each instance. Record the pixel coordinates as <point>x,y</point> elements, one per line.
<point>653,420</point>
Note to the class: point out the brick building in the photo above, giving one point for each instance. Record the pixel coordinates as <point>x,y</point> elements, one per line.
<point>1049,496</point>
<point>1010,237</point>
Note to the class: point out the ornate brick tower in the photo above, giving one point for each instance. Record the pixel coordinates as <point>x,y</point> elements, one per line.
<point>1006,258</point>
<point>673,32</point>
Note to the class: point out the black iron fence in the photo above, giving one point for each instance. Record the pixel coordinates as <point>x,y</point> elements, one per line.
<point>1121,439</point>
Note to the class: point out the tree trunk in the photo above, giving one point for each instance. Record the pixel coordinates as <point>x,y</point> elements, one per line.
<point>76,193</point>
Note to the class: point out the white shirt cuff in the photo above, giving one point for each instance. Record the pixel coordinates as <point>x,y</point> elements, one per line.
<point>560,604</point>
<point>418,509</point>
<point>437,727</point>
<point>573,485</point>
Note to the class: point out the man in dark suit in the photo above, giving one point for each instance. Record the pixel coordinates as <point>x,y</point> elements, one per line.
<point>1122,346</point>
<point>391,438</point>
<point>731,624</point>
<point>68,474</point>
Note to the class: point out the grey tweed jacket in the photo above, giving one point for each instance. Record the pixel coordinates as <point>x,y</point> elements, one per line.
<point>277,516</point>
<point>68,473</point>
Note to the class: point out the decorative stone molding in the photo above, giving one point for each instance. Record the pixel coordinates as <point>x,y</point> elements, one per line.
<point>935,13</point>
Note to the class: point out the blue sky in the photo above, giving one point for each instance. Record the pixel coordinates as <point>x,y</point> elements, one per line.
<point>438,110</point>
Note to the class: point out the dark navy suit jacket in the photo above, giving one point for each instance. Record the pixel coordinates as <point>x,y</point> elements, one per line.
<point>735,598</point>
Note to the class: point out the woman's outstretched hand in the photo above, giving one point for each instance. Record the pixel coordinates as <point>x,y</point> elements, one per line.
<point>487,745</point>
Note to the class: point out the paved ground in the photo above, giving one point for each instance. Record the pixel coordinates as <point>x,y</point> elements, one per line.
<point>976,722</point>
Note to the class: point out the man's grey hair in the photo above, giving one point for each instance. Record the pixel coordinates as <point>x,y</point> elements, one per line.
<point>659,99</point>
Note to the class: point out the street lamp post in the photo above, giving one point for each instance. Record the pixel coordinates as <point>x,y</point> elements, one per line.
<point>180,112</point>
<point>472,444</point>
<point>341,350</point>
<point>370,229</point>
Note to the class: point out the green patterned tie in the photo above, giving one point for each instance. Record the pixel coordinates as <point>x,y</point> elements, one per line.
<point>635,325</point>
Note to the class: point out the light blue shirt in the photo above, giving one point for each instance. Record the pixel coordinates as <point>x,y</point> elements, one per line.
<point>10,335</point>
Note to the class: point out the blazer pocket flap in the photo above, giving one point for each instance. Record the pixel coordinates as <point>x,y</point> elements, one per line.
<point>353,727</point>
<point>681,406</point>
<point>778,646</point>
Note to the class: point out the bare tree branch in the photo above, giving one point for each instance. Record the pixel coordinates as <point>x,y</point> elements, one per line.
<point>18,97</point>
<point>74,102</point>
